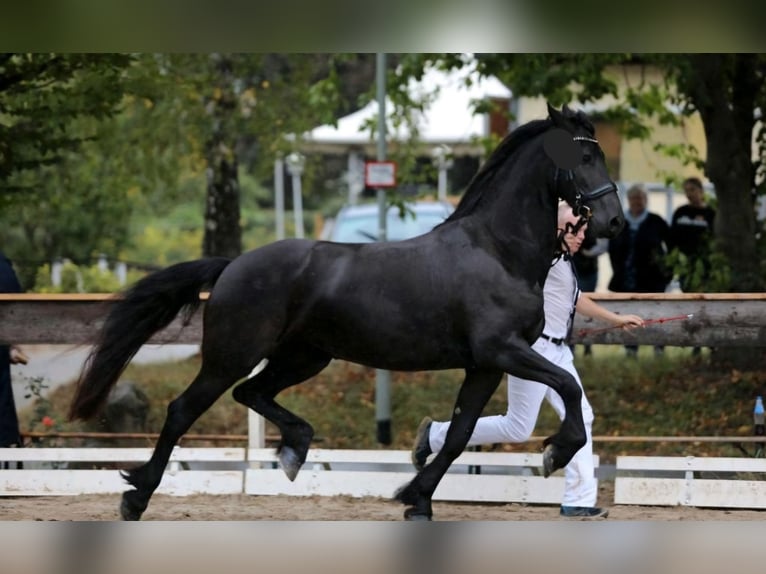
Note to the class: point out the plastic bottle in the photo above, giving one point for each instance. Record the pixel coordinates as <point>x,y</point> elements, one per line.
<point>758,417</point>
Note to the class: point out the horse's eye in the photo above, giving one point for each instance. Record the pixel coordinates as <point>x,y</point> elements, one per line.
<point>587,158</point>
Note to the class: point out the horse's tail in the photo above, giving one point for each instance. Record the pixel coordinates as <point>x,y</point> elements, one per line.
<point>148,306</point>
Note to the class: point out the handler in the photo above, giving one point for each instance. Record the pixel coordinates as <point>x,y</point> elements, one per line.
<point>9,354</point>
<point>562,298</point>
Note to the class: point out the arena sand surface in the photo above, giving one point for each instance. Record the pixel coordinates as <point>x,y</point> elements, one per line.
<point>321,508</point>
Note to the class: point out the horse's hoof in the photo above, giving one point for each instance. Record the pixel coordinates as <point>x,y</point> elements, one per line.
<point>128,511</point>
<point>290,462</point>
<point>548,463</point>
<point>413,516</point>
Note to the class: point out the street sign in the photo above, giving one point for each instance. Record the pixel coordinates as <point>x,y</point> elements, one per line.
<point>380,174</point>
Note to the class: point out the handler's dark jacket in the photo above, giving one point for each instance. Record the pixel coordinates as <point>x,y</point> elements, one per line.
<point>9,423</point>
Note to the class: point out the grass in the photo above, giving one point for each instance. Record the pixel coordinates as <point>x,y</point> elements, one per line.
<point>670,395</point>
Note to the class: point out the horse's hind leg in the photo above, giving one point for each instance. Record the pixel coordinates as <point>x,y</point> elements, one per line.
<point>475,391</point>
<point>289,366</point>
<point>206,388</point>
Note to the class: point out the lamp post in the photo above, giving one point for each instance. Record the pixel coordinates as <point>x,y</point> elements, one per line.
<point>442,156</point>
<point>295,163</point>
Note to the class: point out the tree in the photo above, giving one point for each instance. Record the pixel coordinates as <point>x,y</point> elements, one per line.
<point>727,90</point>
<point>234,106</point>
<point>41,97</point>
<point>52,107</point>
<point>92,140</point>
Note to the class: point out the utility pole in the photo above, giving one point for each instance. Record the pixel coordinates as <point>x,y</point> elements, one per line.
<point>382,377</point>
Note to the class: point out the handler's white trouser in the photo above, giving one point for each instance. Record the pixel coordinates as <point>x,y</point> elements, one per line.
<point>524,400</point>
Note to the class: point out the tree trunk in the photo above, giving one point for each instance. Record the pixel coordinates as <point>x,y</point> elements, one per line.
<point>722,89</point>
<point>223,234</point>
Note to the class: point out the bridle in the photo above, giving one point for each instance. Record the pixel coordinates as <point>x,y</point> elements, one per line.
<point>583,212</point>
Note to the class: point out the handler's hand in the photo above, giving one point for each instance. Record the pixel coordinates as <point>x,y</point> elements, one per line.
<point>17,356</point>
<point>630,321</point>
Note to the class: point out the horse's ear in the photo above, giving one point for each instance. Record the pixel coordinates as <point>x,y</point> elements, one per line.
<point>556,116</point>
<point>562,149</point>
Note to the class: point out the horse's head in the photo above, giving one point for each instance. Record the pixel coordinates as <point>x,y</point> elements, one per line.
<point>581,176</point>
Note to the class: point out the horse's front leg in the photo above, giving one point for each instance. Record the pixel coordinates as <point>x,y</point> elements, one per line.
<point>524,362</point>
<point>475,391</point>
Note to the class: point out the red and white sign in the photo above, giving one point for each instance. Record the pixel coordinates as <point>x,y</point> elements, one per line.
<point>380,174</point>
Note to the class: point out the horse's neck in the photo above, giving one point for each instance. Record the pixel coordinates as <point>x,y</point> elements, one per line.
<point>524,217</point>
<point>521,224</point>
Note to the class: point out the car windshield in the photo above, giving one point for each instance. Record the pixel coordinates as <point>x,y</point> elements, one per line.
<point>363,228</point>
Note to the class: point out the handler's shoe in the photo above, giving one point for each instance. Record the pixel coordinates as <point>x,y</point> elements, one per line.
<point>583,512</point>
<point>422,447</point>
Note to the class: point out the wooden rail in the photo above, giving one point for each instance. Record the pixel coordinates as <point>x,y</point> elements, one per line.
<point>718,320</point>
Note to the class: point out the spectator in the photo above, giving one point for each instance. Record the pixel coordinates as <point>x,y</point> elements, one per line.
<point>691,232</point>
<point>586,264</point>
<point>10,435</point>
<point>638,253</point>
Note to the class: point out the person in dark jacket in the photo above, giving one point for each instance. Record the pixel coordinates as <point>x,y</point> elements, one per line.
<point>638,253</point>
<point>691,230</point>
<point>9,354</point>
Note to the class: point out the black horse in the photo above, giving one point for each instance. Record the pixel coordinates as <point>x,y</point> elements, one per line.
<point>466,295</point>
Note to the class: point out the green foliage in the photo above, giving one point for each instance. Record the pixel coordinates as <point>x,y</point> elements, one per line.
<point>164,244</point>
<point>698,277</point>
<point>41,95</point>
<point>81,279</point>
<point>42,417</point>
<point>79,207</point>
<point>686,153</point>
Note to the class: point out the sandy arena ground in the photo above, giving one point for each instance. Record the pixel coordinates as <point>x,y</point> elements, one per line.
<point>319,508</point>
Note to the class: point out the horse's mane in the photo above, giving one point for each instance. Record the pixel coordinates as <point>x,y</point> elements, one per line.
<point>479,184</point>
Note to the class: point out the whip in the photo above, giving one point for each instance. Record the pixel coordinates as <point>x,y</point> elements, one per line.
<point>583,332</point>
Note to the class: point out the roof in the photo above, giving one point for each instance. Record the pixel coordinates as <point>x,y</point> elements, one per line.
<point>448,118</point>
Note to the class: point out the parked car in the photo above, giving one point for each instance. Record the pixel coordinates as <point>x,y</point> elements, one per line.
<point>359,223</point>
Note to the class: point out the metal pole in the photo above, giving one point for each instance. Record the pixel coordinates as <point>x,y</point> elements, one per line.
<point>380,73</point>
<point>442,189</point>
<point>256,424</point>
<point>382,377</point>
<point>669,193</point>
<point>279,196</point>
<point>355,177</point>
<point>298,205</point>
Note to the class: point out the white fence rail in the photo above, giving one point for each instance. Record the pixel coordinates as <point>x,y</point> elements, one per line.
<point>475,476</point>
<point>69,471</point>
<point>715,482</point>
